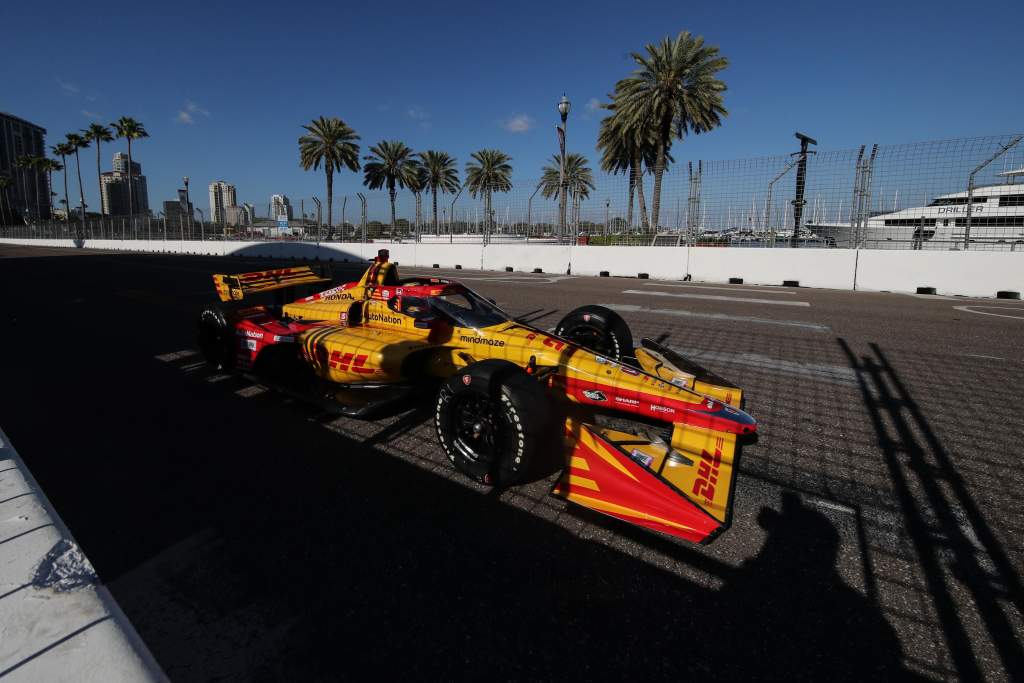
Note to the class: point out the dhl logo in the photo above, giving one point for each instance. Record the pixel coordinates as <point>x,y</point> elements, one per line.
<point>707,475</point>
<point>349,362</point>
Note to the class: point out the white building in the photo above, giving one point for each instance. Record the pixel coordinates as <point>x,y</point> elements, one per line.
<point>222,195</point>
<point>280,207</point>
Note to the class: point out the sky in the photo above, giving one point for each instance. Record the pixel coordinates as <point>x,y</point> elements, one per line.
<point>224,87</point>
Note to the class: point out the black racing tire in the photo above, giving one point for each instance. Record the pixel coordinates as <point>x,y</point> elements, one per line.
<point>216,338</point>
<point>492,420</point>
<point>597,329</point>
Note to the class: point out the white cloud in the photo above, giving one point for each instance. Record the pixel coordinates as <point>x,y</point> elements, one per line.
<point>418,113</point>
<point>91,114</point>
<point>68,88</point>
<point>517,123</point>
<point>593,104</point>
<point>188,112</point>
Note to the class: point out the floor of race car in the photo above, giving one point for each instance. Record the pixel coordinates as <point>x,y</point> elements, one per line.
<point>878,525</point>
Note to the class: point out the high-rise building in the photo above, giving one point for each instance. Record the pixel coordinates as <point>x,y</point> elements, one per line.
<point>222,195</point>
<point>114,188</point>
<point>280,207</point>
<point>174,212</point>
<point>28,194</point>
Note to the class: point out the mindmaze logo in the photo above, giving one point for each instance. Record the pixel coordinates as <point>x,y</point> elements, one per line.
<point>481,340</point>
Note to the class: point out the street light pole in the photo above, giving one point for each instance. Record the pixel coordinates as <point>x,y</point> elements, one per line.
<point>563,110</point>
<point>188,205</point>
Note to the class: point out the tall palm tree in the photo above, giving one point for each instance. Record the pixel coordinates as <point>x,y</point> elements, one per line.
<point>27,162</point>
<point>418,185</point>
<point>78,142</point>
<point>391,164</point>
<point>674,91</point>
<point>97,132</point>
<point>488,172</point>
<point>129,129</point>
<point>331,142</point>
<point>49,166</point>
<point>5,201</point>
<point>439,173</point>
<point>64,150</point>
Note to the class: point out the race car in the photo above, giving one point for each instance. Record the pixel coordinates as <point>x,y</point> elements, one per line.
<point>639,433</point>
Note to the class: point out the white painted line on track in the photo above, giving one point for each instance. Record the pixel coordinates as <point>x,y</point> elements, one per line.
<point>716,297</point>
<point>978,355</point>
<point>839,374</point>
<point>175,355</point>
<point>250,391</point>
<point>967,309</point>
<point>630,308</point>
<point>829,505</point>
<point>725,289</point>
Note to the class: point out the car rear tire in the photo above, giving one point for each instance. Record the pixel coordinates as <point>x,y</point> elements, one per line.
<point>492,419</point>
<point>216,339</point>
<point>597,329</point>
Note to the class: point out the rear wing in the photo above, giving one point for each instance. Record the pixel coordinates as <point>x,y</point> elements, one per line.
<point>237,287</point>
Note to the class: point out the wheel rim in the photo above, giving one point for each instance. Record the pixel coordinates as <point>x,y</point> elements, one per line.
<point>477,427</point>
<point>595,339</point>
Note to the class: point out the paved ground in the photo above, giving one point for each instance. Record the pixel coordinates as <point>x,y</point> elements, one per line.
<point>878,529</point>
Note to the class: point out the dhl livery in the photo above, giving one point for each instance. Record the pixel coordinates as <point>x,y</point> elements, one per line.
<point>639,433</point>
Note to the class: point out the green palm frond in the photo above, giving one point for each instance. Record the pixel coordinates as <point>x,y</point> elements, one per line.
<point>440,173</point>
<point>390,164</point>
<point>579,179</point>
<point>97,132</point>
<point>489,171</point>
<point>128,128</point>
<point>331,142</point>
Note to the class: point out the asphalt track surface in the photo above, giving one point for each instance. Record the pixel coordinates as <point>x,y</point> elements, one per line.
<point>878,527</point>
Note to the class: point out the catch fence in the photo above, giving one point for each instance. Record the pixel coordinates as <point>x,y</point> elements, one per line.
<point>965,194</point>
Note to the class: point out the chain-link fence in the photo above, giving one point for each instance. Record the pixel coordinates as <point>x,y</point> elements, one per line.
<point>949,195</point>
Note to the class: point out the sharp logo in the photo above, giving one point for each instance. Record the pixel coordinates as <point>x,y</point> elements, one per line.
<point>481,340</point>
<point>594,395</point>
<point>707,475</point>
<point>627,401</point>
<point>383,318</point>
<point>348,362</point>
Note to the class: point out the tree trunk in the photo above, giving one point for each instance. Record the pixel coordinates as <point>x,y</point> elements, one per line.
<point>81,193</point>
<point>330,198</point>
<point>99,179</point>
<point>641,200</point>
<point>436,231</point>
<point>49,192</point>
<point>67,205</point>
<point>39,206</point>
<point>419,209</point>
<point>391,193</point>
<point>659,171</point>
<point>632,191</point>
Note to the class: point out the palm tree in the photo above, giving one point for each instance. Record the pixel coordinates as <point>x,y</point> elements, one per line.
<point>49,166</point>
<point>674,92</point>
<point>330,142</point>
<point>390,165</point>
<point>439,173</point>
<point>78,142</point>
<point>129,129</point>
<point>5,201</point>
<point>489,172</point>
<point>64,150</point>
<point>579,181</point>
<point>27,162</point>
<point>418,185</point>
<point>97,132</point>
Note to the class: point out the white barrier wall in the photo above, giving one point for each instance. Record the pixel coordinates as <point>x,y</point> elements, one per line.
<point>971,273</point>
<point>826,268</point>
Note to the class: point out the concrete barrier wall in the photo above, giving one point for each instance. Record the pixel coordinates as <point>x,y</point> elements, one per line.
<point>972,273</point>
<point>826,268</point>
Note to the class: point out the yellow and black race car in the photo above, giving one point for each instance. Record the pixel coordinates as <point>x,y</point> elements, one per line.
<point>640,433</point>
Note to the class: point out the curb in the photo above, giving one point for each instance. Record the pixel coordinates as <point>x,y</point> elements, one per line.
<point>59,622</point>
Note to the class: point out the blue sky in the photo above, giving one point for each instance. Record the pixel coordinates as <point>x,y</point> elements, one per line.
<point>223,87</point>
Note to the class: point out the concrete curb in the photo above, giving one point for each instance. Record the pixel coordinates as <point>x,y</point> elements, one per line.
<point>57,621</point>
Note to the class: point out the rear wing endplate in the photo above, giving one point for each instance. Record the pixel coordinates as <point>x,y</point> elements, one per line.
<point>237,287</point>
